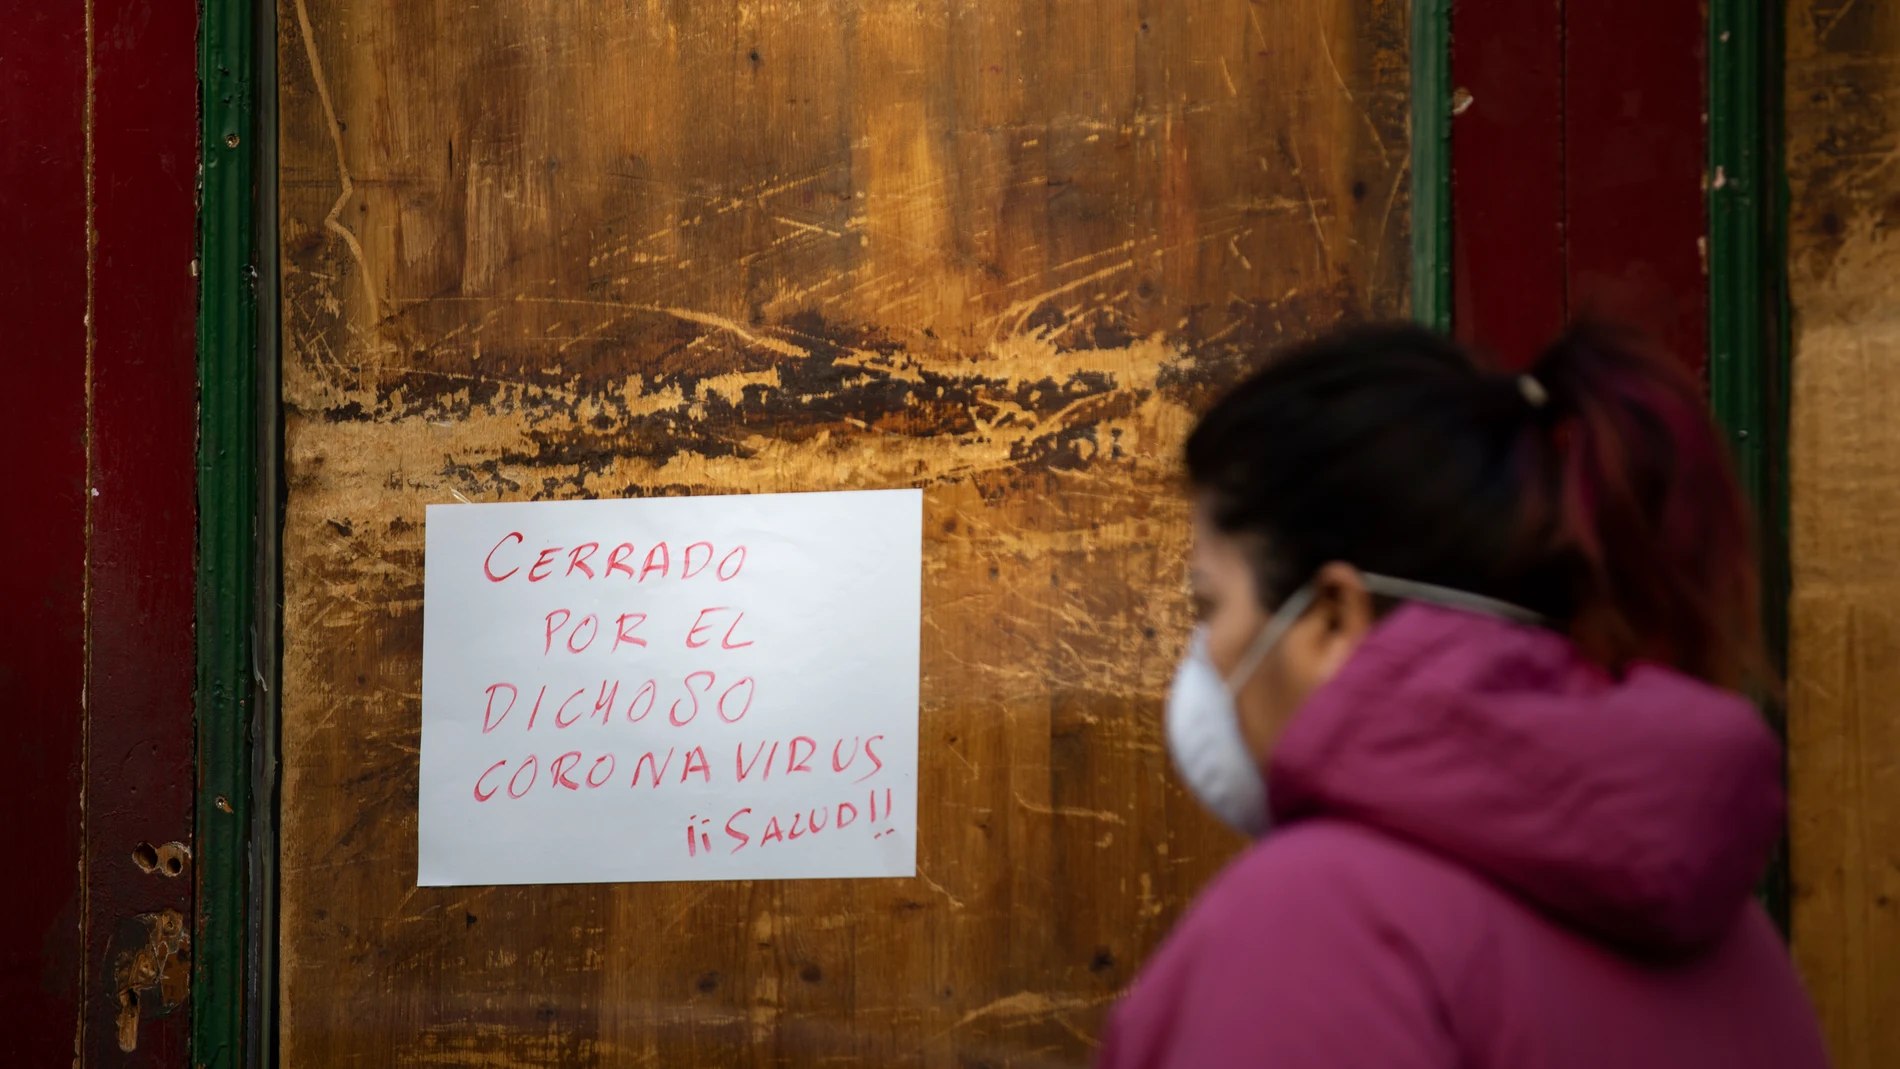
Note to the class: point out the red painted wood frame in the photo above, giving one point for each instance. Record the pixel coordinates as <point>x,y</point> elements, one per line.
<point>98,133</point>
<point>1577,171</point>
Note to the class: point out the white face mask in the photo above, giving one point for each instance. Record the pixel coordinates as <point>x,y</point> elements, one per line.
<point>1203,726</point>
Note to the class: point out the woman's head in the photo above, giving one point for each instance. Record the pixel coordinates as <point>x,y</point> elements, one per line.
<point>1593,491</point>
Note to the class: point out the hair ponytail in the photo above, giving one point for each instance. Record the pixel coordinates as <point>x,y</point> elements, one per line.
<point>1594,490</point>
<point>1645,499</point>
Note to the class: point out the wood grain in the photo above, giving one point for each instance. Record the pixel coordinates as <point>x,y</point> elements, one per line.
<point>1843,100</point>
<point>603,248</point>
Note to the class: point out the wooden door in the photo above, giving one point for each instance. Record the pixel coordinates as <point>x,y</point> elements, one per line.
<point>98,420</point>
<point>614,248</point>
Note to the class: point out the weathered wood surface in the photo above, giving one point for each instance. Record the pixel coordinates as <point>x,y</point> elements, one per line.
<point>621,247</point>
<point>1843,100</point>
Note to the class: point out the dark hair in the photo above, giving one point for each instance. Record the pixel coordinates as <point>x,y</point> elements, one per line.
<point>1593,490</point>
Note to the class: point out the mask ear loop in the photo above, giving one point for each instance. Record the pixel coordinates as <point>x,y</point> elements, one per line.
<point>1277,625</point>
<point>1432,594</point>
<point>1294,607</point>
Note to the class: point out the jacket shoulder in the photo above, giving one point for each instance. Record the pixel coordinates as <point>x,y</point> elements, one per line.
<point>1331,865</point>
<point>1292,958</point>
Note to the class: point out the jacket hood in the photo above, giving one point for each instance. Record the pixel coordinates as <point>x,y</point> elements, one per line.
<point>1638,810</point>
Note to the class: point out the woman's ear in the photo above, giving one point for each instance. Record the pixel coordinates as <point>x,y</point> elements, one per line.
<point>1346,609</point>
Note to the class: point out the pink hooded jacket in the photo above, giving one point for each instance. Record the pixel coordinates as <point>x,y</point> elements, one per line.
<point>1490,854</point>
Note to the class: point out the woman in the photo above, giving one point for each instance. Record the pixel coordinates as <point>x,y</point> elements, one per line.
<point>1466,648</point>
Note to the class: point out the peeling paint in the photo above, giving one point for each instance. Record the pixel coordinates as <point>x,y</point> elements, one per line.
<point>151,970</point>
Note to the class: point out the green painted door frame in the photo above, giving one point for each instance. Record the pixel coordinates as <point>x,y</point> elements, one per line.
<point>225,992</point>
<point>1431,163</point>
<point>1748,309</point>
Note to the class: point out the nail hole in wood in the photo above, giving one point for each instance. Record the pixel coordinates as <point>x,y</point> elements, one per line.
<point>172,858</point>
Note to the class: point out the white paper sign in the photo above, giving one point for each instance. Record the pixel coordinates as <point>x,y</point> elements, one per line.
<point>687,688</point>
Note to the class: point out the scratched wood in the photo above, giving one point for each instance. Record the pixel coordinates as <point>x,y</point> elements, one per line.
<point>1843,101</point>
<point>1001,251</point>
